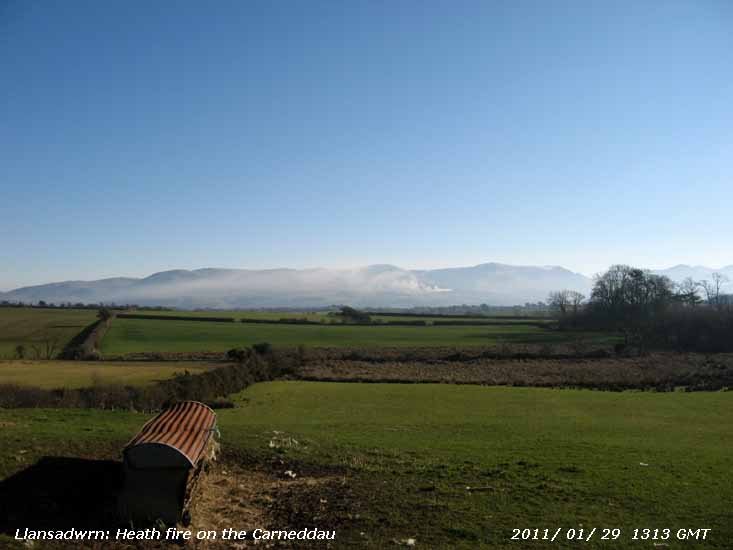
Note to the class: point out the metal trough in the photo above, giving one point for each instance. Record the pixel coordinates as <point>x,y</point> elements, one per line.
<point>164,461</point>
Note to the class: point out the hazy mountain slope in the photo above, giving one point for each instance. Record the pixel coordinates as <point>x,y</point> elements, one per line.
<point>376,285</point>
<point>496,282</point>
<point>70,291</point>
<point>697,272</point>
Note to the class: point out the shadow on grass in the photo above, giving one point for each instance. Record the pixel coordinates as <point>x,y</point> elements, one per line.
<point>61,493</point>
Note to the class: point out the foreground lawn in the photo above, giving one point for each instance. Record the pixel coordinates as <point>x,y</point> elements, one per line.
<point>540,458</point>
<point>144,335</point>
<point>533,458</point>
<point>31,327</point>
<point>79,374</point>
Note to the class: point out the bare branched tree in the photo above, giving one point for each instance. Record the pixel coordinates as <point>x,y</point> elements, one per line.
<point>713,289</point>
<point>576,300</point>
<point>688,292</point>
<point>559,301</point>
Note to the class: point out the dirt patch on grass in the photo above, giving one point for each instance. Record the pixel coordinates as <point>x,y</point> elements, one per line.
<point>276,496</point>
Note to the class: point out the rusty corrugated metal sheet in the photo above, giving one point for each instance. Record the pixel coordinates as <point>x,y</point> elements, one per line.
<point>186,426</point>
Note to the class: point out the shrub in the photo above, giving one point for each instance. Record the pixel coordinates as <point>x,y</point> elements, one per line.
<point>239,354</point>
<point>263,348</point>
<point>349,314</point>
<point>176,318</point>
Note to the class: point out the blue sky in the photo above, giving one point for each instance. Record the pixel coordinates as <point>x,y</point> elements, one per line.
<point>137,136</point>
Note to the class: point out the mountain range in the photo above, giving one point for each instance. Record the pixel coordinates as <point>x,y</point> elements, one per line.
<point>373,286</point>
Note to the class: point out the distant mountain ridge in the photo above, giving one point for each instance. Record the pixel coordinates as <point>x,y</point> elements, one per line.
<point>374,286</point>
<point>697,272</point>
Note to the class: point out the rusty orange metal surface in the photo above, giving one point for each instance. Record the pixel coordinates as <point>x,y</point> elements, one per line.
<point>186,426</point>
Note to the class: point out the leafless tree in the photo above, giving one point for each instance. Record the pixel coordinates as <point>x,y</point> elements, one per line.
<point>576,300</point>
<point>559,301</point>
<point>713,289</point>
<point>688,292</point>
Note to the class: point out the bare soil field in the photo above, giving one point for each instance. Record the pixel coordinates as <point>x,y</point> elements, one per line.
<point>659,371</point>
<point>392,353</point>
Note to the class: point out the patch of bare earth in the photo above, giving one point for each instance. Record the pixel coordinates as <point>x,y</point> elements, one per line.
<point>660,371</point>
<point>240,494</point>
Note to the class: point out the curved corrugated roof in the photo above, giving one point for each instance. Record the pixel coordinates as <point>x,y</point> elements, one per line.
<point>186,427</point>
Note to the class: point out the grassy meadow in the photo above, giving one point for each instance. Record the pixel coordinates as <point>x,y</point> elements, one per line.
<point>450,465</point>
<point>145,335</point>
<point>80,374</point>
<point>460,466</point>
<point>34,326</point>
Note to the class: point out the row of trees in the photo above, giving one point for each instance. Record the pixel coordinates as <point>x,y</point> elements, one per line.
<point>624,290</point>
<point>651,308</point>
<point>689,291</point>
<point>565,301</point>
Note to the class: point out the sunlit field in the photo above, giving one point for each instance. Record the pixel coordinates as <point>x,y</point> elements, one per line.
<point>80,374</point>
<point>36,328</point>
<point>145,335</point>
<point>459,466</point>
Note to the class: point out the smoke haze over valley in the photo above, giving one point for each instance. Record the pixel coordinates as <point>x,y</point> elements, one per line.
<point>373,286</point>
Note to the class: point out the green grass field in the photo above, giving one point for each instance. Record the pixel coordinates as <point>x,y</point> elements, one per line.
<point>33,326</point>
<point>539,458</point>
<point>79,374</point>
<point>542,457</point>
<point>144,335</point>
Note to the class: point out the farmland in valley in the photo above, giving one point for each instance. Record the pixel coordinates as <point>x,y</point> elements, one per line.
<point>452,465</point>
<point>145,335</point>
<point>79,374</point>
<point>37,327</point>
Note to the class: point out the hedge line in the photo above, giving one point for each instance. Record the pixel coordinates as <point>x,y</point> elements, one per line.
<point>174,317</point>
<point>478,323</point>
<point>85,345</point>
<point>207,387</point>
<point>454,315</point>
<point>289,321</point>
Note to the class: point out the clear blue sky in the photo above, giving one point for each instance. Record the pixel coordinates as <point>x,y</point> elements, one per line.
<point>142,136</point>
